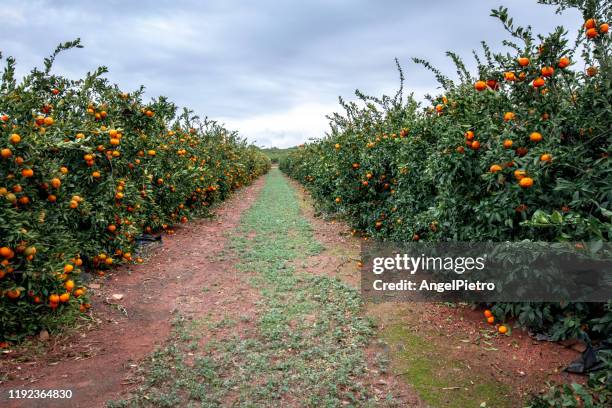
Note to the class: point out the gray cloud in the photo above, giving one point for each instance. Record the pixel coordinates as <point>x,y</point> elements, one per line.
<point>271,69</point>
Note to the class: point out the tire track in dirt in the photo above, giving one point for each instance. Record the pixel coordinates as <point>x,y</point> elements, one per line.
<point>100,364</point>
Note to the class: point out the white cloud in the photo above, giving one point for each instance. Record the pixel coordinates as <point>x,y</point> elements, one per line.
<point>284,128</point>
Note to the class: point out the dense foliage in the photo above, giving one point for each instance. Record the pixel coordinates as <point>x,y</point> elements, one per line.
<point>518,150</point>
<point>85,169</point>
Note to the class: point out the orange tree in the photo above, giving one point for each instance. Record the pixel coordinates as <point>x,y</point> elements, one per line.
<point>84,170</point>
<point>517,150</point>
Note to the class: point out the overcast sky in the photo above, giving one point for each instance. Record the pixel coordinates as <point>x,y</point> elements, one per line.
<point>270,69</point>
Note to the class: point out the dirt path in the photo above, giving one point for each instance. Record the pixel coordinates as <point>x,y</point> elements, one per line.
<point>99,365</point>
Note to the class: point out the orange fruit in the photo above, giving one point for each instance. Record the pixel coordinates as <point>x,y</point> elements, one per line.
<point>56,183</point>
<point>538,82</point>
<point>495,168</point>
<point>590,23</point>
<point>14,138</point>
<point>547,71</point>
<point>69,285</point>
<point>112,228</point>
<point>54,298</point>
<point>480,85</point>
<point>6,153</point>
<point>13,293</point>
<point>520,174</point>
<point>64,297</point>
<point>591,33</point>
<point>338,200</point>
<point>52,198</point>
<point>535,137</point>
<point>526,182</point>
<point>439,108</point>
<point>507,144</point>
<point>523,61</point>
<point>491,319</point>
<point>460,149</point>
<point>6,252</point>
<point>151,153</point>
<point>149,113</point>
<point>475,145</point>
<point>487,313</point>
<point>48,121</point>
<point>509,76</point>
<point>337,146</point>
<point>95,174</point>
<point>27,173</point>
<point>502,329</point>
<point>68,268</point>
<point>508,116</point>
<point>604,28</point>
<point>591,71</point>
<point>546,157</point>
<point>563,62</point>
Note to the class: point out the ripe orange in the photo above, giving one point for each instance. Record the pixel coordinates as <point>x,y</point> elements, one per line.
<point>338,200</point>
<point>337,146</point>
<point>112,228</point>
<point>523,61</point>
<point>508,116</point>
<point>27,173</point>
<point>547,71</point>
<point>439,108</point>
<point>546,157</point>
<point>591,33</point>
<point>151,153</point>
<point>6,252</point>
<point>56,183</point>
<point>564,62</point>
<point>149,113</point>
<point>95,174</point>
<point>48,121</point>
<point>460,149</point>
<point>64,297</point>
<point>6,153</point>
<point>13,293</point>
<point>14,138</point>
<point>69,285</point>
<point>590,23</point>
<point>526,182</point>
<point>115,142</point>
<point>469,135</point>
<point>64,170</point>
<point>52,198</point>
<point>495,168</point>
<point>538,82</point>
<point>54,298</point>
<point>68,268</point>
<point>502,329</point>
<point>475,145</point>
<point>507,144</point>
<point>487,313</point>
<point>535,137</point>
<point>491,319</point>
<point>520,174</point>
<point>509,76</point>
<point>480,85</point>
<point>591,71</point>
<point>604,28</point>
